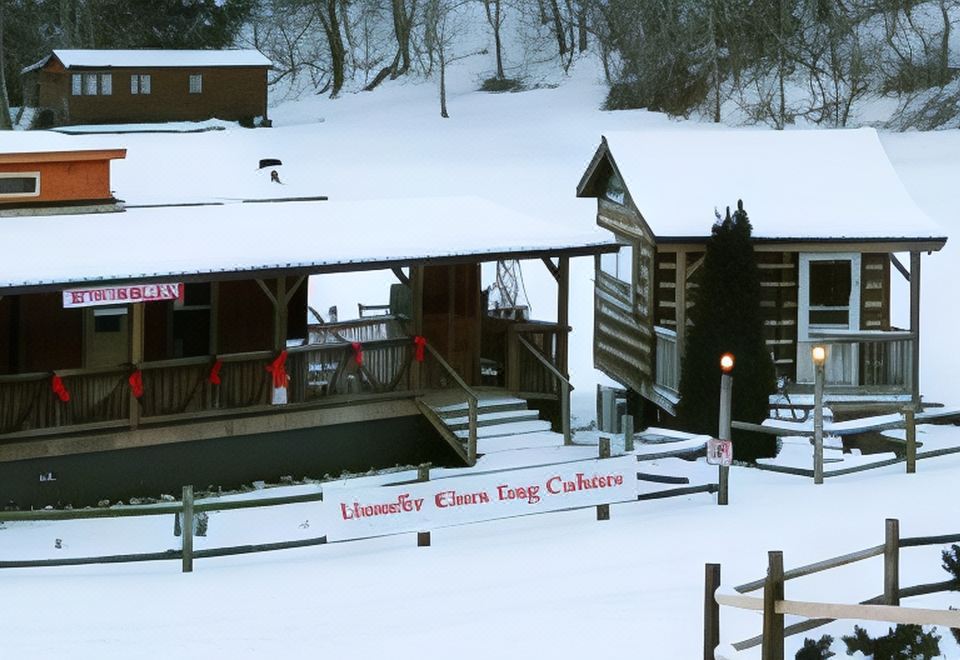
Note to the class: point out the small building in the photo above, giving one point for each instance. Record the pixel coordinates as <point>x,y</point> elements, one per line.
<point>70,87</point>
<point>147,348</point>
<point>830,217</point>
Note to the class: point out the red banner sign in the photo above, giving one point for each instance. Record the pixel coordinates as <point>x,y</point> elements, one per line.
<point>121,295</point>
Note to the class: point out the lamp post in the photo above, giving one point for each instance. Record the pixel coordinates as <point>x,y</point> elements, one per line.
<point>819,355</point>
<point>726,397</point>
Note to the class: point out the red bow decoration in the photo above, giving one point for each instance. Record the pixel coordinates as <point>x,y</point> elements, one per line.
<point>214,376</point>
<point>278,369</point>
<point>56,384</point>
<point>357,352</point>
<point>420,342</point>
<point>136,383</point>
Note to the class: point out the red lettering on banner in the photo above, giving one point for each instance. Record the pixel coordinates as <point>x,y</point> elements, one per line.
<point>76,297</point>
<point>451,498</point>
<point>404,504</point>
<point>557,485</point>
<point>529,493</point>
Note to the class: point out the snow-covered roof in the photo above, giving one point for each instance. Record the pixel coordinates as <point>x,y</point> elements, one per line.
<point>154,58</point>
<point>795,184</point>
<point>167,242</point>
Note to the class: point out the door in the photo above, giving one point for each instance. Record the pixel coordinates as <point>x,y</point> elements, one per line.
<point>829,302</point>
<point>451,316</point>
<point>107,333</point>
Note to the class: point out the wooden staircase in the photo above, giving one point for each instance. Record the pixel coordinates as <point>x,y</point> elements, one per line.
<point>498,415</point>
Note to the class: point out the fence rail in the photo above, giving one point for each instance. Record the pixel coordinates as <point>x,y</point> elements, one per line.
<point>774,605</point>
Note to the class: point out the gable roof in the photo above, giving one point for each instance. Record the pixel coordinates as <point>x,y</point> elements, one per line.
<point>153,58</point>
<point>251,239</point>
<point>796,185</point>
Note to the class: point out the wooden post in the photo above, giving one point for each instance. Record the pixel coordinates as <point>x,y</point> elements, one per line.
<point>891,563</point>
<point>136,355</point>
<point>416,301</point>
<point>772,622</point>
<point>280,315</point>
<point>680,282</point>
<point>472,432</point>
<point>187,528</point>
<point>726,414</point>
<point>214,341</point>
<point>603,510</point>
<point>910,423</point>
<point>711,611</point>
<point>565,412</point>
<point>626,423</point>
<point>423,474</point>
<point>915,328</point>
<point>563,314</point>
<point>818,425</point>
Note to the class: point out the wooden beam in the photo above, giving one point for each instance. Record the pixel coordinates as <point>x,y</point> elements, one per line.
<point>416,311</point>
<point>266,290</point>
<point>552,267</point>
<point>900,267</point>
<point>692,268</point>
<point>214,318</point>
<point>291,291</point>
<point>280,316</point>
<point>136,355</point>
<point>915,327</point>
<point>404,279</point>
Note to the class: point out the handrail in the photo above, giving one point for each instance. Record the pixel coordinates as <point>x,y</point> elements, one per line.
<point>471,403</point>
<point>860,336</point>
<point>666,333</point>
<point>545,362</point>
<point>565,388</point>
<point>816,567</point>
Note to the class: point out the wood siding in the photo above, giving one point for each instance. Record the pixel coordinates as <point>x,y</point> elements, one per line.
<point>624,342</point>
<point>87,180</point>
<point>779,273</point>
<point>230,93</point>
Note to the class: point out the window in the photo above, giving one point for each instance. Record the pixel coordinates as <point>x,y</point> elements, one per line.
<point>106,84</point>
<point>76,84</point>
<point>89,84</point>
<point>191,321</point>
<point>830,285</point>
<point>618,264</point>
<point>140,83</point>
<point>615,191</point>
<point>196,83</point>
<point>19,184</point>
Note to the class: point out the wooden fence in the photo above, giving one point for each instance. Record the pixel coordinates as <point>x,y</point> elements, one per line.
<point>186,508</point>
<point>774,604</point>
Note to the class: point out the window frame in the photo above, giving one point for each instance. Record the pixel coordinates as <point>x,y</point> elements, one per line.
<point>137,86</point>
<point>198,77</point>
<point>21,175</point>
<point>105,89</point>
<point>76,84</point>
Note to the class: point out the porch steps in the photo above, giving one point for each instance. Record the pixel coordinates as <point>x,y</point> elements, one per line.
<point>485,418</point>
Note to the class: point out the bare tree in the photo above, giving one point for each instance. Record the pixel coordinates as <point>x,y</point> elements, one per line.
<point>5,122</point>
<point>494,13</point>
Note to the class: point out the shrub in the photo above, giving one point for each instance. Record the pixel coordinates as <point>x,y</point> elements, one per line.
<point>906,642</point>
<point>819,650</point>
<point>495,84</point>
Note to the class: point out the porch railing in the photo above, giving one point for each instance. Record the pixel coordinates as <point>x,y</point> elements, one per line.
<point>877,360</point>
<point>186,388</point>
<point>366,329</point>
<point>453,380</point>
<point>533,368</point>
<point>668,359</point>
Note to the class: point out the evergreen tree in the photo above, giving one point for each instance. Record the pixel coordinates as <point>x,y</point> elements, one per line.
<point>726,317</point>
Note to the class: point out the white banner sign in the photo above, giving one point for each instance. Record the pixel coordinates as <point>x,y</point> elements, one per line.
<point>121,295</point>
<point>361,512</point>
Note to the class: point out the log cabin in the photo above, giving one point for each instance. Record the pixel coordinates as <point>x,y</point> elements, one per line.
<point>832,224</point>
<point>69,87</point>
<point>144,348</point>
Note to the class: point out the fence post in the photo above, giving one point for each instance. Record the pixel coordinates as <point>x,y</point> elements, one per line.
<point>565,412</point>
<point>772,622</point>
<point>472,432</point>
<point>723,433</point>
<point>603,510</point>
<point>711,611</point>
<point>627,425</point>
<point>187,528</point>
<point>891,563</point>
<point>423,474</point>
<point>910,422</point>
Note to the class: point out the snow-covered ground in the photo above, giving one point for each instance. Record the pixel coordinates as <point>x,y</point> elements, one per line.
<point>559,585</point>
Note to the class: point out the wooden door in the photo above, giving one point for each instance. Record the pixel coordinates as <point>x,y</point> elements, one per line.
<point>107,336</point>
<point>451,316</point>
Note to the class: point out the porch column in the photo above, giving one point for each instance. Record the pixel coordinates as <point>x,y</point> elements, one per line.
<point>136,355</point>
<point>416,311</point>
<point>280,315</point>
<point>680,312</point>
<point>915,328</point>
<point>563,314</point>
